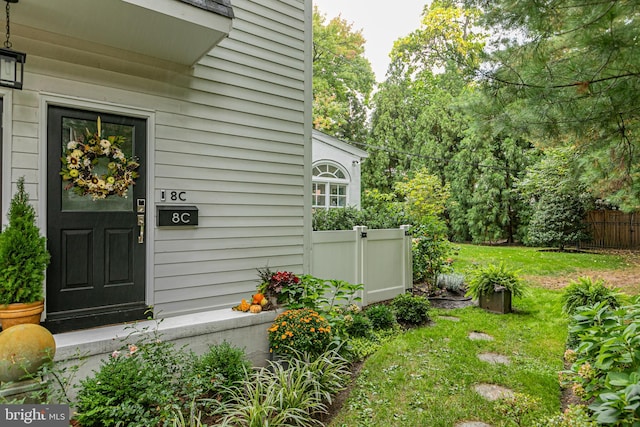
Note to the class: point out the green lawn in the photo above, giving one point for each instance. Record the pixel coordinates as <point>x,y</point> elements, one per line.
<point>426,377</point>
<point>535,262</point>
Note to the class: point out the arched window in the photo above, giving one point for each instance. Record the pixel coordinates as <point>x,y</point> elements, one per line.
<point>330,184</point>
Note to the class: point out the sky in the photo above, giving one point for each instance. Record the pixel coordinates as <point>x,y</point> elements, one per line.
<point>381,23</point>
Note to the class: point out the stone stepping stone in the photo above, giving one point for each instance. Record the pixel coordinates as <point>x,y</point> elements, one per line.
<point>494,358</point>
<point>493,392</point>
<point>480,336</point>
<point>450,318</point>
<point>472,424</point>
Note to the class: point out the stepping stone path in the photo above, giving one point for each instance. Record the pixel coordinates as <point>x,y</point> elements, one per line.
<point>494,358</point>
<point>488,391</point>
<point>472,424</point>
<point>493,392</point>
<point>450,318</point>
<point>480,336</point>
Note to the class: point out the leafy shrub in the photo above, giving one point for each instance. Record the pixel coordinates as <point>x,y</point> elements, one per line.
<point>430,250</point>
<point>358,325</point>
<point>383,210</point>
<point>337,219</point>
<point>381,316</point>
<point>586,292</point>
<point>411,309</point>
<point>606,365</point>
<point>300,330</point>
<point>141,384</point>
<point>486,280</point>
<point>323,295</point>
<point>222,366</point>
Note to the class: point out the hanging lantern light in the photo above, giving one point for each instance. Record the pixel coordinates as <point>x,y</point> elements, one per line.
<point>11,61</point>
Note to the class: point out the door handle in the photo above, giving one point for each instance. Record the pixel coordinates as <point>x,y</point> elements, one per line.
<point>141,225</point>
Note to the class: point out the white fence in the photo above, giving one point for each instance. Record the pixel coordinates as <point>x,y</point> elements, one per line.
<point>380,259</point>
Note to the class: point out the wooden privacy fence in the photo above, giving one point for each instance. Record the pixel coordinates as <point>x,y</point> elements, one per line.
<point>613,229</point>
<point>380,259</point>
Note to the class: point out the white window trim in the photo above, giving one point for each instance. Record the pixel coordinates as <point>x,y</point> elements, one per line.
<point>327,181</point>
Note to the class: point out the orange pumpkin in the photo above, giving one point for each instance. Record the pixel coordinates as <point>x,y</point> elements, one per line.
<point>257,298</point>
<point>244,305</point>
<point>255,308</point>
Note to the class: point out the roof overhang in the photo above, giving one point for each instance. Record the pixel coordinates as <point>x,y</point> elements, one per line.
<point>179,31</point>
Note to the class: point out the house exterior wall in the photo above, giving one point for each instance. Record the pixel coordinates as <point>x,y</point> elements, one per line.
<point>232,132</point>
<point>331,150</point>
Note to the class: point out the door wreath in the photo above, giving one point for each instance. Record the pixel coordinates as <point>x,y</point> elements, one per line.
<point>81,158</point>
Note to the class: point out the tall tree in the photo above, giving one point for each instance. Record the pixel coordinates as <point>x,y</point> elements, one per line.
<point>342,79</point>
<point>569,72</point>
<point>424,117</point>
<point>415,118</point>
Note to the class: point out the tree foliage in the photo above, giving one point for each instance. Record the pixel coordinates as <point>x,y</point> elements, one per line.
<point>423,195</point>
<point>558,201</point>
<point>567,71</point>
<point>342,79</point>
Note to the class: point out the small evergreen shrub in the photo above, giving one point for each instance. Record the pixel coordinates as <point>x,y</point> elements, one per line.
<point>381,316</point>
<point>586,292</point>
<point>23,253</point>
<point>358,325</point>
<point>411,309</point>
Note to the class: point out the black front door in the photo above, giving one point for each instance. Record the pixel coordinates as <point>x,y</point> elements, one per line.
<point>95,226</point>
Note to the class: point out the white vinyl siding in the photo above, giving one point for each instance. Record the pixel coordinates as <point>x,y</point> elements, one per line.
<point>230,132</point>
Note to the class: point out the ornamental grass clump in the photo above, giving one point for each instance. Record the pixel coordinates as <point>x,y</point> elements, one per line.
<point>301,330</point>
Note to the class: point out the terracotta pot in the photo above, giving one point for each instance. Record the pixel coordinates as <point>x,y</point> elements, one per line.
<point>19,313</point>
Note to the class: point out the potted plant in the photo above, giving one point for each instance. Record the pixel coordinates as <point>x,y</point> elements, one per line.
<point>494,286</point>
<point>279,287</point>
<point>23,261</point>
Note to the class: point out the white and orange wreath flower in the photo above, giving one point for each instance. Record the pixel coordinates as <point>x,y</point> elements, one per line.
<point>81,157</point>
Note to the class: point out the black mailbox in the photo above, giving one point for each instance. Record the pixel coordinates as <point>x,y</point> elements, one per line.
<point>177,216</point>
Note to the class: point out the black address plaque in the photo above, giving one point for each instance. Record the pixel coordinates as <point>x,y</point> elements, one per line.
<point>177,216</point>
